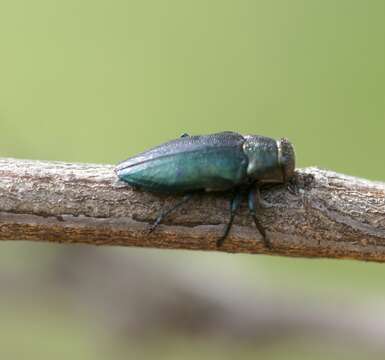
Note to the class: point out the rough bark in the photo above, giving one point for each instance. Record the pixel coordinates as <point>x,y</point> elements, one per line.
<point>332,215</point>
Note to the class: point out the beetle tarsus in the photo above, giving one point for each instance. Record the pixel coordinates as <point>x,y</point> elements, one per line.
<point>292,187</point>
<point>234,206</point>
<point>163,214</point>
<point>254,204</point>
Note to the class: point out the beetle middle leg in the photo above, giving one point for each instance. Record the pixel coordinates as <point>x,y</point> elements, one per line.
<point>254,203</point>
<point>163,213</point>
<point>234,206</point>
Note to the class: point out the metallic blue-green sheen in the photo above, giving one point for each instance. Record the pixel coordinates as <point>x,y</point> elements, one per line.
<point>215,162</point>
<point>212,163</point>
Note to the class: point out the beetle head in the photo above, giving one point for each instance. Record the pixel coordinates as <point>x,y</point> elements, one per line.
<point>286,158</point>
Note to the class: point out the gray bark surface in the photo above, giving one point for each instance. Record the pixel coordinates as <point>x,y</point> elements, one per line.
<point>332,215</point>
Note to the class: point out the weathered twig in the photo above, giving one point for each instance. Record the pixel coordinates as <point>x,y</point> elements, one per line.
<point>332,215</point>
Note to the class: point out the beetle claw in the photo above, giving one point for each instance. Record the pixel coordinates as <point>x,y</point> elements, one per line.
<point>151,229</point>
<point>220,241</point>
<point>293,187</point>
<point>267,242</point>
<point>153,226</point>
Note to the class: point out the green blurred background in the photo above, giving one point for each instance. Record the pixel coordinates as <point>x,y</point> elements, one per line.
<point>97,81</point>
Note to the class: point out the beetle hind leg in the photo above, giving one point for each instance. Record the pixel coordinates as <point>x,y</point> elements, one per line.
<point>163,213</point>
<point>254,204</point>
<point>234,206</point>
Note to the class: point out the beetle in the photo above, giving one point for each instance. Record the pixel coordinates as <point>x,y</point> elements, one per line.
<point>225,161</point>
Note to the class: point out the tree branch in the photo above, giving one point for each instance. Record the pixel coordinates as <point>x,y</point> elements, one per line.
<point>333,215</point>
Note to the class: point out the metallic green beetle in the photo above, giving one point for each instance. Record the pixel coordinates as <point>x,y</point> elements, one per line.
<point>217,162</point>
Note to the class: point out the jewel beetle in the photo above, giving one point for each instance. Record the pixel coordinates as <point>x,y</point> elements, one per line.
<point>225,161</point>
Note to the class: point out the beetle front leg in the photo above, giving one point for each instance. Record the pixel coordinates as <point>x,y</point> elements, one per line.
<point>163,214</point>
<point>254,202</point>
<point>234,206</point>
<point>292,187</point>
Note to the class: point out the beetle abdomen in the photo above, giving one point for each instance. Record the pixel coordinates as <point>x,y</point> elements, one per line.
<point>214,162</point>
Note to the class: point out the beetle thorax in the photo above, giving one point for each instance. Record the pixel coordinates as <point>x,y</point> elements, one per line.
<point>270,161</point>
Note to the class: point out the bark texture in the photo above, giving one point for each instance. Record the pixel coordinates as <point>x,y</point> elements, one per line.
<point>332,215</point>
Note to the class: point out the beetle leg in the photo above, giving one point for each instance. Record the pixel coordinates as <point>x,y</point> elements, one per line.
<point>254,204</point>
<point>234,206</point>
<point>163,214</point>
<point>292,187</point>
